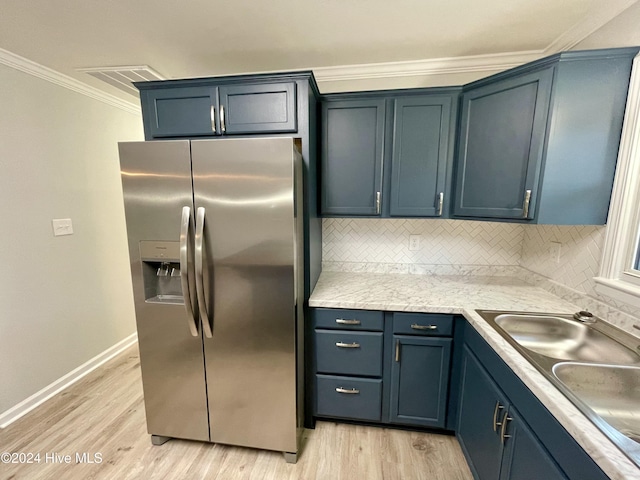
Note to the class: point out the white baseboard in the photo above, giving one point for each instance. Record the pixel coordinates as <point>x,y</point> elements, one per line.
<point>38,398</point>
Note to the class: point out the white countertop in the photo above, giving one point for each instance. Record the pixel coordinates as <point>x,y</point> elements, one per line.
<point>463,295</point>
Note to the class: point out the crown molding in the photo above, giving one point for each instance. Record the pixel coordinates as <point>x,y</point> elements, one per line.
<point>492,63</point>
<point>32,68</point>
<point>599,16</point>
<point>430,67</point>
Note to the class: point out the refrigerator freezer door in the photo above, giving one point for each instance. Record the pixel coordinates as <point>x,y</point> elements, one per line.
<point>156,181</point>
<point>246,187</point>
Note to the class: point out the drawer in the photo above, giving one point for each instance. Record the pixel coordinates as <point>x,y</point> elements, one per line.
<point>423,324</point>
<point>349,353</point>
<point>348,397</point>
<point>348,319</point>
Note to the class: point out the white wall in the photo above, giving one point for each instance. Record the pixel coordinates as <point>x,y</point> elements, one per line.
<point>622,31</point>
<point>63,300</point>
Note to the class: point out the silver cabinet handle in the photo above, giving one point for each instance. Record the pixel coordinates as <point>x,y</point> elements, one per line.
<point>378,196</point>
<point>503,431</point>
<point>440,203</point>
<point>223,125</point>
<point>342,321</point>
<point>199,258</point>
<point>213,119</point>
<point>397,350</point>
<point>350,391</point>
<point>527,201</point>
<point>186,234</point>
<point>496,424</point>
<point>415,326</point>
<point>347,345</point>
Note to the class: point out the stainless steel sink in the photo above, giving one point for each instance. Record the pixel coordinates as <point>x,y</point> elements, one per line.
<point>611,391</point>
<point>596,366</point>
<point>564,339</point>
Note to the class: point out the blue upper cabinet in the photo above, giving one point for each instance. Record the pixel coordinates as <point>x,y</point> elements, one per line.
<point>177,112</point>
<point>420,157</point>
<point>269,107</point>
<point>352,153</point>
<point>583,137</point>
<point>500,146</point>
<point>211,107</point>
<point>539,143</point>
<point>388,154</point>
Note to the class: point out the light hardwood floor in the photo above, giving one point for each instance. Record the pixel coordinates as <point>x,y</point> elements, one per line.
<point>104,414</point>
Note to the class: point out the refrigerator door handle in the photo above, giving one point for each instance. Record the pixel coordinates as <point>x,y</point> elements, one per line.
<point>186,233</point>
<point>199,258</point>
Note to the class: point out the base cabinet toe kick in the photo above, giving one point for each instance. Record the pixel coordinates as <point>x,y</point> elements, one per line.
<point>427,370</point>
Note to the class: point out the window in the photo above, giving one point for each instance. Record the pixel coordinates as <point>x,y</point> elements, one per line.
<point>620,267</point>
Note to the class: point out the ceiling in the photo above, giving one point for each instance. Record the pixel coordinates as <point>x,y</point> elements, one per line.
<point>193,38</point>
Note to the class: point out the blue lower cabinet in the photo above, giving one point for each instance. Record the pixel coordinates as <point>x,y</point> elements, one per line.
<point>349,397</point>
<point>496,441</point>
<point>524,457</point>
<point>392,368</point>
<point>504,430</point>
<point>482,408</point>
<point>420,380</point>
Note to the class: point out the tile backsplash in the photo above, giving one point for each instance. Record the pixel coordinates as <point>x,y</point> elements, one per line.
<point>580,254</point>
<point>442,242</point>
<point>477,248</point>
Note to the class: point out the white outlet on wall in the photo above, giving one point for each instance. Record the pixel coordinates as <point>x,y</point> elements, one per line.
<point>414,242</point>
<point>62,226</point>
<point>555,249</point>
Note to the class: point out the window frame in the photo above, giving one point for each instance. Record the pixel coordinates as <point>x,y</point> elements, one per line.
<point>619,277</point>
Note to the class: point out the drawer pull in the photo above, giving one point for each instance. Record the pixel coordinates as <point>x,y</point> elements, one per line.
<point>342,321</point>
<point>415,326</point>
<point>347,345</point>
<point>350,391</point>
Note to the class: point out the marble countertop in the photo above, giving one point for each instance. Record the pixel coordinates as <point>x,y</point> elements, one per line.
<point>463,295</point>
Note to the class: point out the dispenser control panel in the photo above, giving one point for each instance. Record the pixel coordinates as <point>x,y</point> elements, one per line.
<point>154,251</point>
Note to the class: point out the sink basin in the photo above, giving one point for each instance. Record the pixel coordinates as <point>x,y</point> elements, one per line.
<point>611,391</point>
<point>564,339</point>
<point>595,365</point>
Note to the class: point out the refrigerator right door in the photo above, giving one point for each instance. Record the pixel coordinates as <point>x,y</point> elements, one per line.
<point>244,192</point>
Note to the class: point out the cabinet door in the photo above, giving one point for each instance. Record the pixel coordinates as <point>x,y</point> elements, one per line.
<point>524,456</point>
<point>179,112</point>
<point>420,154</point>
<point>420,380</point>
<point>482,408</point>
<point>263,108</point>
<point>352,151</point>
<point>501,140</point>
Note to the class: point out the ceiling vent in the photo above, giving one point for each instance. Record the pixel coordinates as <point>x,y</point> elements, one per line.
<point>123,77</point>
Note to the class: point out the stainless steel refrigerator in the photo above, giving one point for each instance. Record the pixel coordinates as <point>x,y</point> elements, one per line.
<point>215,241</point>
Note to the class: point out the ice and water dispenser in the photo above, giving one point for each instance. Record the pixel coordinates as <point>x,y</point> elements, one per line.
<point>161,272</point>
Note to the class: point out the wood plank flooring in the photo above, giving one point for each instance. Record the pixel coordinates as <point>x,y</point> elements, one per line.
<point>104,414</point>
